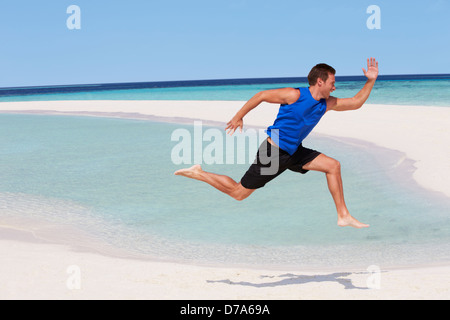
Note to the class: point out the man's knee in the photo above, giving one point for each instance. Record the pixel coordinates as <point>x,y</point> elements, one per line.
<point>334,166</point>
<point>241,193</point>
<point>240,197</point>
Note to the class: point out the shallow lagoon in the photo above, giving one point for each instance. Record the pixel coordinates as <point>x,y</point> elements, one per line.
<point>113,178</point>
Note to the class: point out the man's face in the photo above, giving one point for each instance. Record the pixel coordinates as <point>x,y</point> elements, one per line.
<point>328,86</point>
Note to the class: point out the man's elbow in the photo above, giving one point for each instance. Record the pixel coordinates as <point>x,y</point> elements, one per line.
<point>356,104</point>
<point>260,97</point>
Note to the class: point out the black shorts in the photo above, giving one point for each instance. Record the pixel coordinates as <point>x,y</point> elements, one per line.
<point>272,161</point>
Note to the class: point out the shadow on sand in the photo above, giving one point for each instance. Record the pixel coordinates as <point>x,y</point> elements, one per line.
<point>292,279</point>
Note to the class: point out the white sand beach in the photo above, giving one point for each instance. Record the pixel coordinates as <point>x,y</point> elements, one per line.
<point>33,269</point>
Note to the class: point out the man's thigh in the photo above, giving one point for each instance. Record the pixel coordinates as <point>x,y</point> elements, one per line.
<point>322,163</point>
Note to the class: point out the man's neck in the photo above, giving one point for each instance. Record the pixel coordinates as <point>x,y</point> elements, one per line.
<point>315,93</point>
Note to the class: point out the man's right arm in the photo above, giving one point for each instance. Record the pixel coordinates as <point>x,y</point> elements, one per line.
<point>278,96</point>
<point>361,97</point>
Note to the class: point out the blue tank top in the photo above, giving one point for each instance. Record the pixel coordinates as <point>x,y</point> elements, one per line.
<point>295,121</point>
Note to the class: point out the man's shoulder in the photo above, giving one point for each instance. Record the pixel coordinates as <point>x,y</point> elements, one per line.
<point>292,95</point>
<point>331,103</point>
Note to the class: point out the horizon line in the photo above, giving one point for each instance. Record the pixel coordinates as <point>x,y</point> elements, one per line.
<point>242,81</point>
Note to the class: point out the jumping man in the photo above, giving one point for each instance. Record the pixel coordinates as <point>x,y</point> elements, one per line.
<point>300,111</point>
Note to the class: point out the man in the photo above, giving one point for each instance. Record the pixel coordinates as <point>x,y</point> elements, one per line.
<point>300,111</point>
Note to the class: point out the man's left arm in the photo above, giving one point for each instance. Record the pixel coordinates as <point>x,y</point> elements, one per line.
<point>361,97</point>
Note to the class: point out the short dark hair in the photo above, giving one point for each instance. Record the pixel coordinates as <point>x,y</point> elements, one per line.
<point>320,71</point>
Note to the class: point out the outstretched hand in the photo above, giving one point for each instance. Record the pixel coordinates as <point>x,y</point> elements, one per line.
<point>372,69</point>
<point>233,125</point>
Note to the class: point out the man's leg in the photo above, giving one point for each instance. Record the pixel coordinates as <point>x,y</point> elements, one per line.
<point>332,169</point>
<point>220,182</point>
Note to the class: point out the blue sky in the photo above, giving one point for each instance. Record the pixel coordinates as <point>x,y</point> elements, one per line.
<point>161,40</point>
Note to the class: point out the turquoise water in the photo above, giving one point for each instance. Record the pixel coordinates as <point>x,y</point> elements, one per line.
<point>113,178</point>
<point>399,92</point>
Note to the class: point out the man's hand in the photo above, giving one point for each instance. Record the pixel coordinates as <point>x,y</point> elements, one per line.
<point>372,69</point>
<point>233,125</point>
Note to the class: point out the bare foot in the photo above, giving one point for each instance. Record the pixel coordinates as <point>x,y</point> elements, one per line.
<point>192,172</point>
<point>349,221</point>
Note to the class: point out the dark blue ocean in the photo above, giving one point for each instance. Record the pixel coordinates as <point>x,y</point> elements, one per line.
<point>426,90</point>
